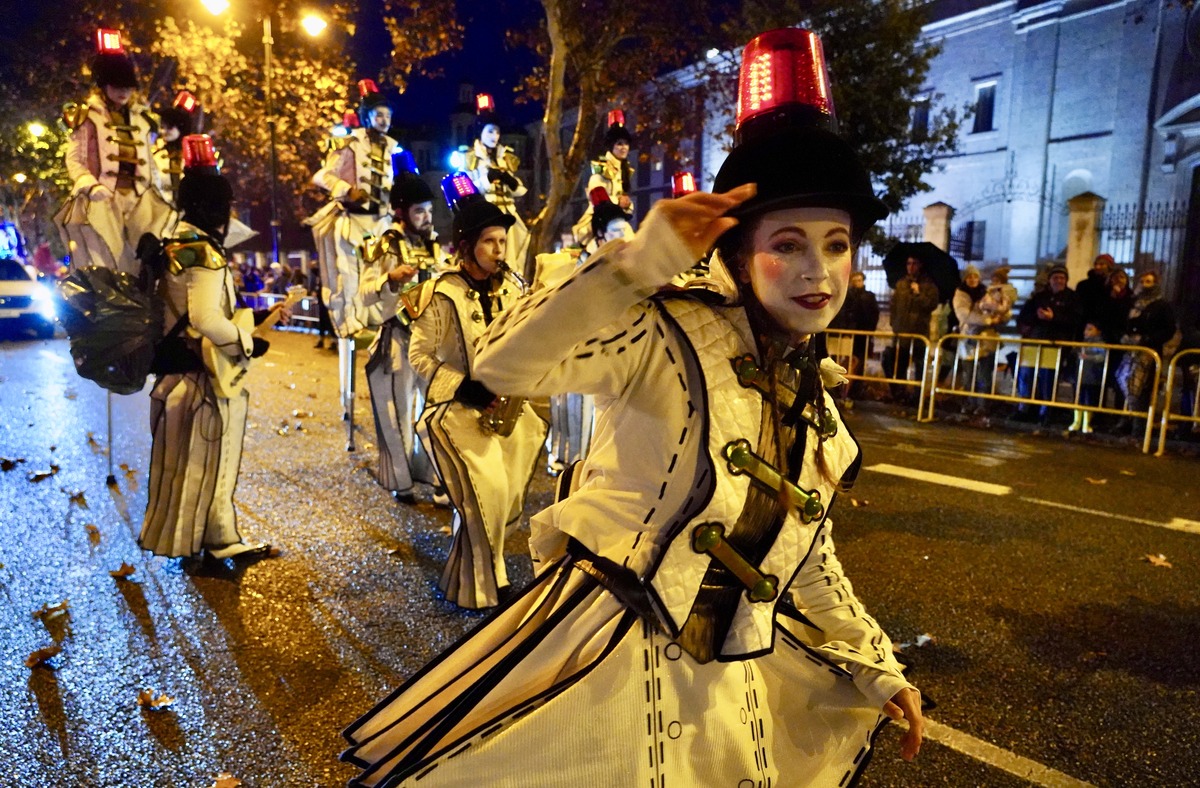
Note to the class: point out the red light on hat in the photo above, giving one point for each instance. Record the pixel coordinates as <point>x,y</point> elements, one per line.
<point>367,87</point>
<point>185,101</point>
<point>783,67</point>
<point>198,151</point>
<point>599,195</point>
<point>682,183</point>
<point>350,119</point>
<point>484,103</point>
<point>108,42</point>
<point>616,117</point>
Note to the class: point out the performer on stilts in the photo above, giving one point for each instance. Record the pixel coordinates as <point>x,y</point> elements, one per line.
<point>612,172</point>
<point>484,446</point>
<point>174,123</point>
<point>398,259</point>
<point>493,169</point>
<point>690,623</point>
<point>116,185</point>
<point>358,176</point>
<point>197,434</point>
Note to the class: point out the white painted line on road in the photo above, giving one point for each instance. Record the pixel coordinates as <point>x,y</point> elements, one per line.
<point>1022,767</point>
<point>1180,524</point>
<point>941,478</point>
<point>1112,515</point>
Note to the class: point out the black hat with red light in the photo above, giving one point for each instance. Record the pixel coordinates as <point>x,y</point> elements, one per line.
<point>370,98</point>
<point>604,210</point>
<point>485,112</point>
<point>786,140</point>
<point>205,196</point>
<point>472,212</point>
<point>180,114</point>
<point>616,130</point>
<point>111,67</point>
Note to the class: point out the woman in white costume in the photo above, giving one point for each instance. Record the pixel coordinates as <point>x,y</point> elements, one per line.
<point>493,169</point>
<point>485,473</point>
<point>690,623</point>
<point>197,435</point>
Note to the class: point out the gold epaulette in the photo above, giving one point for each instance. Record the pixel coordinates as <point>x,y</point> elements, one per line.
<point>192,252</point>
<point>511,162</point>
<point>415,299</point>
<point>74,114</point>
<point>598,167</point>
<point>332,143</point>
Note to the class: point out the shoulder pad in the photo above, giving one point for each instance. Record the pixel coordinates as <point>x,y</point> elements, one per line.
<point>192,252</point>
<point>598,167</point>
<point>74,114</point>
<point>511,161</point>
<point>416,298</point>
<point>332,143</point>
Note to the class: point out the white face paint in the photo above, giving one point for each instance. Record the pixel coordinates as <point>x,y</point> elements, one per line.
<point>617,228</point>
<point>490,135</point>
<point>799,267</point>
<point>380,118</point>
<point>170,133</point>
<point>118,96</point>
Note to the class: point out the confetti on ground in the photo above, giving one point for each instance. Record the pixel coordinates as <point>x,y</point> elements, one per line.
<point>125,572</point>
<point>147,700</point>
<point>1158,560</point>
<point>42,656</point>
<point>49,610</point>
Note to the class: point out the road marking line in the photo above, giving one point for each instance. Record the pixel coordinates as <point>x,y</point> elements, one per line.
<point>1180,524</point>
<point>1113,515</point>
<point>941,478</point>
<point>1027,769</point>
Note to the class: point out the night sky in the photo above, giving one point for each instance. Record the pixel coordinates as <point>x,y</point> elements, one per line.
<point>484,61</point>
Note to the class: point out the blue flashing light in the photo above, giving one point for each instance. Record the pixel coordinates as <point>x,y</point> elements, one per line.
<point>340,131</point>
<point>458,159</point>
<point>403,161</point>
<point>456,186</point>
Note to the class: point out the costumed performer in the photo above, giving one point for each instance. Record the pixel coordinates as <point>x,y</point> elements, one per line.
<point>174,123</point>
<point>197,434</point>
<point>690,623</point>
<point>612,171</point>
<point>484,446</point>
<point>493,169</point>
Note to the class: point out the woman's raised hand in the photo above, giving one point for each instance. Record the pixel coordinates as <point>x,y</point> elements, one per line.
<point>699,218</point>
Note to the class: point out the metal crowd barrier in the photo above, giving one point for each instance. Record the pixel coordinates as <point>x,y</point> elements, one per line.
<point>1050,364</point>
<point>839,343</point>
<point>304,313</point>
<point>1189,358</point>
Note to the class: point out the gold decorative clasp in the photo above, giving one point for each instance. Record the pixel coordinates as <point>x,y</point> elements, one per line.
<point>710,538</point>
<point>742,459</point>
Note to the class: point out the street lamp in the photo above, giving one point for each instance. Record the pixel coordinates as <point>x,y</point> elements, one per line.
<point>313,25</point>
<point>36,130</point>
<point>20,177</point>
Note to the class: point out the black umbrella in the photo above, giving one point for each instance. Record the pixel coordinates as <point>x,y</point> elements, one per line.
<point>937,265</point>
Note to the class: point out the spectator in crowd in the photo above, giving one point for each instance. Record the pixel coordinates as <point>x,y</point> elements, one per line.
<point>324,324</point>
<point>1053,314</point>
<point>1151,324</point>
<point>860,312</point>
<point>973,321</point>
<point>1093,290</point>
<point>1113,310</point>
<point>913,302</point>
<point>1091,376</point>
<point>251,281</point>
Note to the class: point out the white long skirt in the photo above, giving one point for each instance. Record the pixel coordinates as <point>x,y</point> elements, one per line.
<point>486,478</point>
<point>565,687</point>
<point>194,460</point>
<point>396,392</point>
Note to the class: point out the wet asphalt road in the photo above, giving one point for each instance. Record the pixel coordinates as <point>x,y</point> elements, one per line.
<point>1052,637</point>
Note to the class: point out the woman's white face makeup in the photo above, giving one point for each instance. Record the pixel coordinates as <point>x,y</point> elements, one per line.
<point>799,267</point>
<point>490,135</point>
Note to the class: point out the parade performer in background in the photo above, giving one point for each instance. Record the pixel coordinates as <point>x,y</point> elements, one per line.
<point>612,171</point>
<point>358,176</point>
<point>197,434</point>
<point>174,123</point>
<point>406,254</point>
<point>484,446</point>
<point>493,169</point>
<point>116,185</point>
<point>690,623</point>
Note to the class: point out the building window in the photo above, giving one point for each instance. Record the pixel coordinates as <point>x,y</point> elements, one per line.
<point>985,107</point>
<point>920,119</point>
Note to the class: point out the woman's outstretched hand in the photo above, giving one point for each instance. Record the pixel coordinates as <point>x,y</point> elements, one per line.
<point>906,705</point>
<point>699,218</point>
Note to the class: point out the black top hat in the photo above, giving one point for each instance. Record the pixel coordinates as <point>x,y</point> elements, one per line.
<point>409,190</point>
<point>175,117</point>
<point>616,130</point>
<point>115,69</point>
<point>785,145</point>
<point>204,196</point>
<point>604,210</point>
<point>371,97</point>
<point>472,212</point>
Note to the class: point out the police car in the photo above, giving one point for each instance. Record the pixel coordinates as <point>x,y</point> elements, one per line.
<point>24,302</point>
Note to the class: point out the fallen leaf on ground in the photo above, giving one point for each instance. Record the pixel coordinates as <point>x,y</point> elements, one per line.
<point>93,533</point>
<point>124,572</point>
<point>40,656</point>
<point>445,529</point>
<point>274,552</point>
<point>921,640</point>
<point>7,465</point>
<point>282,430</point>
<point>312,396</point>
<point>80,500</point>
<point>1127,473</point>
<point>51,610</point>
<point>146,700</point>
<point>1158,560</point>
<point>1096,481</point>
<point>855,502</point>
<point>94,444</point>
<point>226,780</point>
<point>302,414</point>
<point>70,395</point>
<point>41,476</point>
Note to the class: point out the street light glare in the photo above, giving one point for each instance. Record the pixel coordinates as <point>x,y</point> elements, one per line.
<point>36,129</point>
<point>313,24</point>
<point>20,177</point>
<point>216,6</point>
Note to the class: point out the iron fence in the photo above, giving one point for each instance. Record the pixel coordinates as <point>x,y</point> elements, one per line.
<point>1143,238</point>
